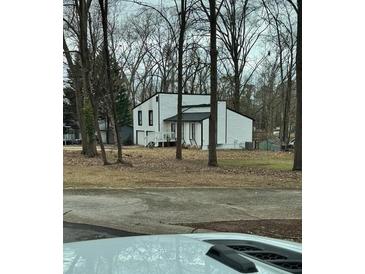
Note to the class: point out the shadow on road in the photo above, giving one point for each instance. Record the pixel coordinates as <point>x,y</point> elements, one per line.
<point>74,232</point>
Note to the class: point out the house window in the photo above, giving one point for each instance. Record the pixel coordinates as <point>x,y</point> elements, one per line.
<point>192,132</point>
<point>140,117</point>
<point>150,117</point>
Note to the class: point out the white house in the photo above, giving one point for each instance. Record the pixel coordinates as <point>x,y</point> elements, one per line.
<point>154,120</point>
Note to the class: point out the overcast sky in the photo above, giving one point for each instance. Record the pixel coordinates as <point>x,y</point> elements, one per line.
<point>128,8</point>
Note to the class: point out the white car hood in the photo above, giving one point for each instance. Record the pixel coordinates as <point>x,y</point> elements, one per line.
<point>158,254</point>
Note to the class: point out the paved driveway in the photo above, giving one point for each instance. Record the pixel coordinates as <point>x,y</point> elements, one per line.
<point>159,210</point>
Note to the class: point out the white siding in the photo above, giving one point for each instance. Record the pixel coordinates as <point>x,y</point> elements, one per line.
<point>168,106</point>
<point>150,104</point>
<point>233,129</point>
<point>140,138</point>
<point>205,133</point>
<point>221,122</point>
<point>185,132</point>
<point>198,127</point>
<point>196,109</point>
<point>239,129</point>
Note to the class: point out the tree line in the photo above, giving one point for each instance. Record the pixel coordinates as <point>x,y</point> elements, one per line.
<point>247,52</point>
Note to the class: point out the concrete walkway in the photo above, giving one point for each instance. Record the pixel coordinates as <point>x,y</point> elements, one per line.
<point>159,210</point>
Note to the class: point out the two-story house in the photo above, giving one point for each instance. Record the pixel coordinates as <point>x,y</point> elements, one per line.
<point>154,120</point>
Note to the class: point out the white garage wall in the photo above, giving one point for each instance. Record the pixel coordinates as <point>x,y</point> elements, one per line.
<point>239,129</point>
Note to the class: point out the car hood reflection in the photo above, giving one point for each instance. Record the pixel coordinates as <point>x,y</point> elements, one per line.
<point>142,254</point>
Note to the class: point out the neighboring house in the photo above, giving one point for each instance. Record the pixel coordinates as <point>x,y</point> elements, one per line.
<point>107,133</point>
<point>71,133</point>
<point>155,119</point>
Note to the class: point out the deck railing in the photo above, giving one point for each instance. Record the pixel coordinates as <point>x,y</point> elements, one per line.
<point>159,137</point>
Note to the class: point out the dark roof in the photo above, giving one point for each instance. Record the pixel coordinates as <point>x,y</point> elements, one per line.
<point>195,106</point>
<point>191,117</point>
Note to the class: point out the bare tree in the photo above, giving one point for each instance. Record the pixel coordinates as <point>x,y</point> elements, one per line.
<point>284,35</point>
<point>104,15</point>
<point>183,14</point>
<point>239,29</point>
<point>183,11</point>
<point>212,13</point>
<point>89,151</point>
<point>298,125</point>
<point>82,7</point>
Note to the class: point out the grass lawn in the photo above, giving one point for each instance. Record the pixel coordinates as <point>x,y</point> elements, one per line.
<point>276,164</point>
<point>158,168</point>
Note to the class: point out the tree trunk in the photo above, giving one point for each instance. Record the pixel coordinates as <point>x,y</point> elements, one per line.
<point>287,108</point>
<point>78,97</point>
<point>236,92</point>
<point>212,155</point>
<point>97,127</point>
<point>89,128</point>
<point>104,15</point>
<point>298,124</point>
<point>180,81</point>
<point>85,69</point>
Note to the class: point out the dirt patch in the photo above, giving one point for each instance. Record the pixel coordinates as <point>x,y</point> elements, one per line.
<point>287,229</point>
<point>159,168</point>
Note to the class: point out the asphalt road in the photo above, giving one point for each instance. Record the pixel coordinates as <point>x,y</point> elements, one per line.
<point>159,210</point>
<point>73,232</point>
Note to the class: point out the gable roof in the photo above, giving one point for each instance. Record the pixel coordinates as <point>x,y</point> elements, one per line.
<point>191,117</point>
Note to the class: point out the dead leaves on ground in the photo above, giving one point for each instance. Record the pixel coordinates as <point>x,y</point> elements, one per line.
<point>158,167</point>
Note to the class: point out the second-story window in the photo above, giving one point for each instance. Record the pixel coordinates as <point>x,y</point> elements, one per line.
<point>140,117</point>
<point>150,117</point>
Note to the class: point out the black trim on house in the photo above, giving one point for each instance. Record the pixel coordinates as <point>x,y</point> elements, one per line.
<point>190,117</point>
<point>249,117</point>
<point>200,105</point>
<point>145,100</point>
<point>150,117</point>
<point>195,106</point>
<point>140,118</point>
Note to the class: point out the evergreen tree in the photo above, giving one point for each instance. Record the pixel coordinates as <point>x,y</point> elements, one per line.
<point>124,116</point>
